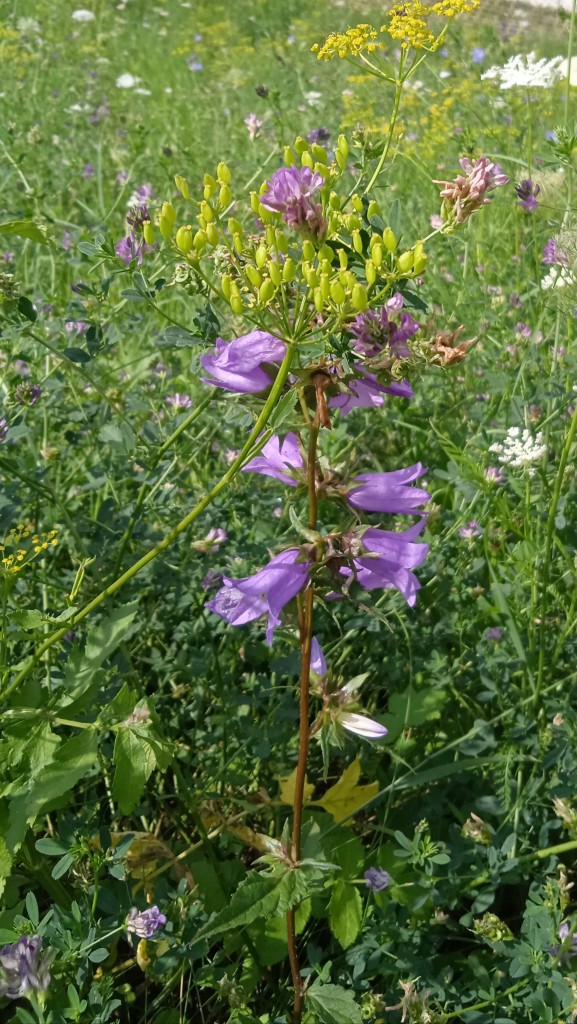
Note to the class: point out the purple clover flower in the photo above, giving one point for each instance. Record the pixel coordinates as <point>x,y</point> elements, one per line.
<point>237,365</point>
<point>389,492</point>
<point>319,137</point>
<point>88,171</point>
<point>493,633</point>
<point>128,249</point>
<point>468,192</point>
<point>289,192</point>
<point>384,560</point>
<point>265,593</point>
<point>277,459</point>
<point>523,330</point>
<point>367,392</point>
<point>145,923</point>
<point>21,970</point>
<point>76,326</point>
<point>179,401</point>
<point>527,192</point>
<point>373,329</point>
<point>471,530</point>
<point>494,474</point>
<point>553,255</point>
<point>377,879</point>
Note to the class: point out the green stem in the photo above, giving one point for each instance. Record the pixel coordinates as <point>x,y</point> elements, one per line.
<point>569,55</point>
<point>398,91</point>
<point>485,1003</point>
<point>172,535</point>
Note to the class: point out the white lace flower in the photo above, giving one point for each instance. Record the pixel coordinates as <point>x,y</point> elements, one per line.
<point>558,277</point>
<point>527,72</point>
<point>127,81</point>
<point>519,449</point>
<point>82,14</point>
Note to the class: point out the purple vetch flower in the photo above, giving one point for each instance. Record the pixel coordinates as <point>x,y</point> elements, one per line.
<point>493,633</point>
<point>237,365</point>
<point>494,474</point>
<point>289,192</point>
<point>88,171</point>
<point>277,459</point>
<point>478,55</point>
<point>553,255</point>
<point>66,242</point>
<point>319,137</point>
<point>436,221</point>
<point>367,392</point>
<point>389,492</point>
<point>212,580</point>
<point>265,593</point>
<point>384,560</point>
<point>468,192</point>
<point>551,136</point>
<point>471,530</point>
<point>179,401</point>
<point>377,879</point>
<point>21,970</point>
<point>21,367</point>
<point>568,940</point>
<point>374,329</point>
<point>523,330</point>
<point>129,249</point>
<point>254,125</point>
<point>527,192</point>
<point>27,394</point>
<point>145,923</point>
<point>4,428</point>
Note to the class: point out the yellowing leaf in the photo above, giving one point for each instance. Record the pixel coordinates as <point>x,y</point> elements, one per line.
<point>346,795</point>
<point>287,789</point>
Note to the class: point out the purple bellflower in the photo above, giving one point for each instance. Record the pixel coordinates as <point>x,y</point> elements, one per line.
<point>389,492</point>
<point>384,560</point>
<point>367,392</point>
<point>237,365</point>
<point>21,970</point>
<point>289,192</point>
<point>267,592</point>
<point>277,459</point>
<point>377,879</point>
<point>145,923</point>
<point>527,192</point>
<point>352,721</point>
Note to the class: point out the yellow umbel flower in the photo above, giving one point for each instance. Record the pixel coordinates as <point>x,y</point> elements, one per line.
<point>408,21</point>
<point>347,44</point>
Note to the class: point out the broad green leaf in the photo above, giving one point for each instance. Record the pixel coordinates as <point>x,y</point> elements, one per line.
<point>345,913</point>
<point>412,708</point>
<point>270,937</point>
<point>259,895</point>
<point>25,229</point>
<point>104,638</point>
<point>346,850</point>
<point>5,868</point>
<point>342,799</point>
<point>135,761</point>
<point>332,1004</point>
<point>50,847</point>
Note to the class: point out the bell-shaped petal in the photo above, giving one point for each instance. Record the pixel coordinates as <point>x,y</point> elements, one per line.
<point>237,365</point>
<point>388,559</point>
<point>318,662</point>
<point>389,492</point>
<point>277,458</point>
<point>361,725</point>
<point>366,392</point>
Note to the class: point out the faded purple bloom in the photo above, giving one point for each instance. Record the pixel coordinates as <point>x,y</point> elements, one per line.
<point>179,401</point>
<point>78,326</point>
<point>318,662</point>
<point>122,177</point>
<point>468,192</point>
<point>214,538</point>
<point>193,63</point>
<point>88,171</point>
<point>523,330</point>
<point>4,428</point>
<point>99,113</point>
<point>367,392</point>
<point>21,367</point>
<point>21,970</point>
<point>374,329</point>
<point>361,725</point>
<point>478,55</point>
<point>212,580</point>
<point>377,879</point>
<point>551,136</point>
<point>160,370</point>
<point>515,300</point>
<point>319,137</point>
<point>254,125</point>
<point>389,492</point>
<point>436,221</point>
<point>384,560</point>
<point>130,248</point>
<point>568,940</point>
<point>493,633</point>
<point>471,530</point>
<point>265,593</point>
<point>237,365</point>
<point>290,191</point>
<point>553,255</point>
<point>66,240</point>
<point>277,459</point>
<point>145,923</point>
<point>494,474</point>
<point>8,257</point>
<point>27,394</point>
<point>527,192</point>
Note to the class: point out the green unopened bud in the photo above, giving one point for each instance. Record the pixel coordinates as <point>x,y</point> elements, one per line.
<point>349,279</point>
<point>342,145</point>
<point>266,291</point>
<point>341,160</point>
<point>419,250</point>
<point>309,251</point>
<point>184,238</point>
<point>359,297</point>
<point>370,272</point>
<point>201,221</point>
<point>288,269</point>
<point>325,267</point>
<point>343,259</point>
<point>357,203</point>
<point>420,263</point>
<point>281,241</point>
<point>148,232</point>
<point>254,276</point>
<point>223,173</point>
<point>237,243</point>
<point>234,226</point>
<point>334,201</point>
<point>288,156</point>
<point>373,209</point>
<point>209,182</point>
<point>318,300</point>
<point>226,285</point>
<point>357,241</point>
<point>326,253</point>
<point>301,145</point>
<point>337,291</point>
<point>225,196</point>
<point>212,234</point>
<point>312,278</point>
<point>261,255</point>
<point>319,153</point>
<point>405,262</point>
<point>199,240</point>
<point>254,202</point>
<point>353,222</point>
<point>333,223</point>
<point>270,235</point>
<point>169,213</point>
<point>325,286</point>
<point>390,239</point>
<point>274,272</point>
<point>377,255</point>
<point>165,227</point>
<point>182,186</point>
<point>206,212</point>
<point>321,169</point>
<point>265,215</point>
<point>307,160</point>
<point>236,303</point>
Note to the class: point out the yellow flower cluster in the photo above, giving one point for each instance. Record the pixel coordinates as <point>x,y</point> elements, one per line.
<point>408,21</point>
<point>347,44</point>
<point>13,557</point>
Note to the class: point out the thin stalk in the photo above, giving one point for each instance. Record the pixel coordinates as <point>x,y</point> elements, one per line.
<point>172,535</point>
<point>398,91</point>
<point>569,55</point>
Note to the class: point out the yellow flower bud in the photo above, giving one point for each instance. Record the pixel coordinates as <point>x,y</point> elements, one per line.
<point>312,278</point>
<point>254,202</point>
<point>237,242</point>
<point>370,272</point>
<point>326,253</point>
<point>318,300</point>
<point>288,156</point>
<point>337,293</point>
<point>377,255</point>
<point>165,227</point>
<point>353,222</point>
<point>207,212</point>
<point>142,958</point>
<point>373,209</point>
<point>357,203</point>
<point>325,267</point>
<point>254,276</point>
<point>199,240</point>
<point>309,251</point>
<point>307,160</point>
<point>148,232</point>
<point>281,241</point>
<point>209,182</point>
<point>342,145</point>
<point>223,173</point>
<point>169,213</point>
<point>319,153</point>
<point>274,273</point>
<point>405,262</point>
<point>236,303</point>
<point>301,145</point>
<point>340,160</point>
<point>321,169</point>
<point>184,238</point>
<point>349,279</point>
<point>182,186</point>
<point>266,291</point>
<point>420,263</point>
<point>225,196</point>
<point>334,201</point>
<point>234,226</point>
<point>419,249</point>
<point>201,221</point>
<point>270,235</point>
<point>359,297</point>
<point>343,259</point>
<point>207,192</point>
<point>390,239</point>
<point>325,286</point>
<point>357,241</point>
<point>265,215</point>
<point>261,255</point>
<point>212,234</point>
<point>288,269</point>
<point>226,285</point>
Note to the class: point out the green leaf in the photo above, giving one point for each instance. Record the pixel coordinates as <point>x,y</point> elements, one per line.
<point>98,955</point>
<point>345,913</point>
<point>32,909</point>
<point>282,411</point>
<point>135,761</point>
<point>412,708</point>
<point>62,865</point>
<point>26,229</point>
<point>50,847</point>
<point>259,895</point>
<point>333,1004</point>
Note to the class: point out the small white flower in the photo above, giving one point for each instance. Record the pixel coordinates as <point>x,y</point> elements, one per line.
<point>361,725</point>
<point>83,15</point>
<point>558,277</point>
<point>312,98</point>
<point>519,449</point>
<point>526,72</point>
<point>127,81</point>
<point>143,92</point>
<point>445,74</point>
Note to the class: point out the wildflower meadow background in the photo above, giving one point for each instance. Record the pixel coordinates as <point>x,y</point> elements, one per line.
<point>288,533</point>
